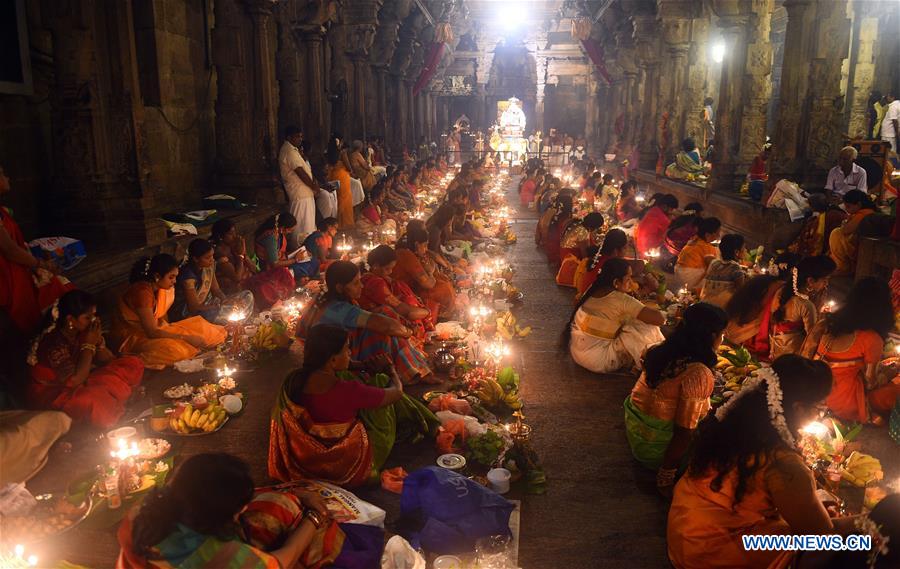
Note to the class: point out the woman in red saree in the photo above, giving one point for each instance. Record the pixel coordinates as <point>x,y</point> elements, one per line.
<point>20,296</point>
<point>557,226</point>
<point>650,232</point>
<point>275,281</point>
<point>380,289</point>
<point>73,371</point>
<point>850,340</point>
<point>316,431</point>
<point>419,272</point>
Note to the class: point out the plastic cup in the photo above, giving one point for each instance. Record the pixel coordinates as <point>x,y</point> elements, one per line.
<point>499,479</point>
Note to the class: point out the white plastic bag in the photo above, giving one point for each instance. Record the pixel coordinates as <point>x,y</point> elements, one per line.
<point>399,554</point>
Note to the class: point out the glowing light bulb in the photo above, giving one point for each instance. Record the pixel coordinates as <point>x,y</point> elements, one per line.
<point>816,429</point>
<point>718,51</point>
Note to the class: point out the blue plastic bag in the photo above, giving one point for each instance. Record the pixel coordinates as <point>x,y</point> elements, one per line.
<point>445,512</point>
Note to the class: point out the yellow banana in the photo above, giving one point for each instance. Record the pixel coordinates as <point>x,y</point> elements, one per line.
<point>186,415</point>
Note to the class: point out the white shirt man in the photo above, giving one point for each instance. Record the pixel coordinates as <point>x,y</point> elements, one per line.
<point>847,175</point>
<point>891,123</point>
<point>299,191</point>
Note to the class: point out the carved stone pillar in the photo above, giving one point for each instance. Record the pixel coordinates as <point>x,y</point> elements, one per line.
<point>360,19</point>
<point>675,24</point>
<point>311,40</point>
<point>246,103</point>
<point>590,112</point>
<point>625,59</point>
<point>696,87</point>
<point>541,70</point>
<point>646,31</point>
<point>102,190</point>
<point>862,69</point>
<point>744,90</point>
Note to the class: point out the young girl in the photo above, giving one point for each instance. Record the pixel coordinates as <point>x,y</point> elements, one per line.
<point>73,371</point>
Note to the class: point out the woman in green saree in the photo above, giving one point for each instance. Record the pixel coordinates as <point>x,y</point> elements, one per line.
<point>330,425</point>
<point>672,395</point>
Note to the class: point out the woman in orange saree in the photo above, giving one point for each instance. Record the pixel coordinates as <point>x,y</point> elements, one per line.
<point>843,242</point>
<point>329,425</point>
<point>850,340</point>
<point>338,170</point>
<point>140,326</point>
<point>417,270</point>
<point>747,478</point>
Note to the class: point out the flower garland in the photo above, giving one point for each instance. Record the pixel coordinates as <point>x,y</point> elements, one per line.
<point>774,397</point>
<point>866,526</point>
<point>32,353</point>
<point>797,292</point>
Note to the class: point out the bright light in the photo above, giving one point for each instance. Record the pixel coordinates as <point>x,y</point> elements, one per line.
<point>816,429</point>
<point>718,51</point>
<point>511,15</point>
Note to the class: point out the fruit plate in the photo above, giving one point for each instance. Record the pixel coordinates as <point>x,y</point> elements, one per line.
<point>153,448</point>
<point>201,433</point>
<point>54,514</point>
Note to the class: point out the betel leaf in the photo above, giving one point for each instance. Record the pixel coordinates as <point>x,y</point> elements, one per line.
<point>508,379</point>
<point>739,357</point>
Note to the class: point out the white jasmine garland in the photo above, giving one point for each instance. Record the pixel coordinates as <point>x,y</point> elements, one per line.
<point>797,292</point>
<point>774,397</point>
<point>866,526</point>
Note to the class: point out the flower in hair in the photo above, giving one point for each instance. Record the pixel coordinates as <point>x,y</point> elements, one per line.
<point>774,400</point>
<point>866,526</point>
<point>147,266</point>
<point>797,292</point>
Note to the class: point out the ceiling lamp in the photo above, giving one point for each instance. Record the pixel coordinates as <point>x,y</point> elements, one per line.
<point>718,51</point>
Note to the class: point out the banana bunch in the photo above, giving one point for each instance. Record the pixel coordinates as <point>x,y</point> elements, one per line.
<point>512,400</point>
<point>192,420</point>
<point>269,337</point>
<point>860,469</point>
<point>507,327</point>
<point>490,393</point>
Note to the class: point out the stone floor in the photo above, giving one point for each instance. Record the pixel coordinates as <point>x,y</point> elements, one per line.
<point>600,509</point>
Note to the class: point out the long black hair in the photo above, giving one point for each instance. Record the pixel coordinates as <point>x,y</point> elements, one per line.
<point>74,303</point>
<point>198,247</point>
<point>338,273</point>
<point>748,301</point>
<point>745,437</point>
<point>730,246</point>
<point>691,341</point>
<point>613,270</point>
<point>860,198</point>
<point>205,494</point>
<point>283,219</point>
<point>817,267</point>
<point>867,307</point>
<point>659,200</point>
<point>148,269</point>
<point>323,341</point>
<point>219,229</point>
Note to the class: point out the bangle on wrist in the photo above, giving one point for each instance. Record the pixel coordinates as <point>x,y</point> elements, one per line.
<point>90,347</point>
<point>314,517</point>
<point>666,476</point>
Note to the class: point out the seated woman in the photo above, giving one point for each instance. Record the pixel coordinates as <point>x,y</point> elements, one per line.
<point>359,166</point>
<point>417,269</point>
<point>192,522</point>
<point>772,316</point>
<point>73,371</point>
<point>528,187</point>
<point>374,218</point>
<point>610,329</point>
<point>271,248</point>
<point>320,241</point>
<point>653,223</point>
<point>627,207</point>
<point>695,257</point>
<point>380,289</point>
<point>578,236</point>
<point>328,424</point>
<point>606,196</point>
<point>234,269</point>
<point>371,335</point>
<point>28,285</point>
<point>682,229</point>
<point>197,291</point>
<point>746,477</point>
<point>688,164</point>
<point>816,230</point>
<point>851,340</point>
<point>560,215</point>
<point>843,242</point>
<point>725,274</point>
<point>614,245</point>
<point>672,395</point>
<point>140,326</point>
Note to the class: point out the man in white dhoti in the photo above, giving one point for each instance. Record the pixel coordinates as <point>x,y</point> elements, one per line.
<point>299,184</point>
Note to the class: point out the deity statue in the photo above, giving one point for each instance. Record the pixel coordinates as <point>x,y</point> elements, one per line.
<point>512,120</point>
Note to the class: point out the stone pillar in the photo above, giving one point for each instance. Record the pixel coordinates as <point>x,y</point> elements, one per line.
<point>625,59</point>
<point>675,24</point>
<point>862,72</point>
<point>381,97</point>
<point>102,191</point>
<point>810,132</point>
<point>246,133</point>
<point>590,111</point>
<point>696,87</point>
<point>311,40</point>
<point>539,95</point>
<point>646,33</point>
<point>360,19</point>
<point>744,90</point>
